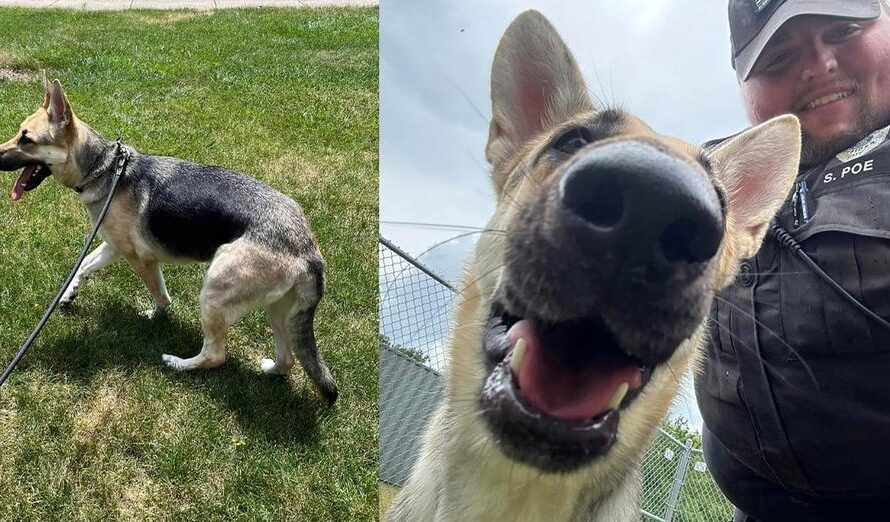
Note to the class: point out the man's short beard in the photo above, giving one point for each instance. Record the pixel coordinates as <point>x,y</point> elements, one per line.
<point>815,152</point>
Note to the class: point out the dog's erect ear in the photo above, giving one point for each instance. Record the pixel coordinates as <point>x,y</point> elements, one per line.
<point>757,169</point>
<point>58,109</point>
<point>535,83</point>
<point>47,88</point>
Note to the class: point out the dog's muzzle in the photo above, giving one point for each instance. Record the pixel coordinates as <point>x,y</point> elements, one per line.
<point>33,172</point>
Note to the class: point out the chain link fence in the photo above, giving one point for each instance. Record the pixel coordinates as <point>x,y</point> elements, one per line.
<point>415,316</point>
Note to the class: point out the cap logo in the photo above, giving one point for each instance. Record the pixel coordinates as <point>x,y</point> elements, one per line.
<point>760,5</point>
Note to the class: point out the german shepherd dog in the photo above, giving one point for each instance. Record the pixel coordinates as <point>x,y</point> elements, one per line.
<point>257,241</point>
<point>588,298</point>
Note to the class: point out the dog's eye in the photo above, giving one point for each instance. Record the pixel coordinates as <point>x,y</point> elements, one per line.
<point>572,140</point>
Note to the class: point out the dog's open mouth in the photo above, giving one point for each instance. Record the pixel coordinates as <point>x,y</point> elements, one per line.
<point>555,391</point>
<point>29,179</point>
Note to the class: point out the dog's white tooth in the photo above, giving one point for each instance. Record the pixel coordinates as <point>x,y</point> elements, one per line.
<point>518,354</point>
<point>618,396</point>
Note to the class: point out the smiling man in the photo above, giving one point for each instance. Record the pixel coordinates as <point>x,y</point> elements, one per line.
<point>794,392</point>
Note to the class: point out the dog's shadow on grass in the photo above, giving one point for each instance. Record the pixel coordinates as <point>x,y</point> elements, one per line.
<point>110,336</point>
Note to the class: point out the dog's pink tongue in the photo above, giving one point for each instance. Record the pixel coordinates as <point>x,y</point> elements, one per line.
<point>564,392</point>
<point>19,188</point>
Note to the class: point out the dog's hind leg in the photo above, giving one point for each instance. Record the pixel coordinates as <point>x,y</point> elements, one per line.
<point>241,277</point>
<point>284,359</point>
<point>151,275</point>
<point>309,288</point>
<point>98,259</point>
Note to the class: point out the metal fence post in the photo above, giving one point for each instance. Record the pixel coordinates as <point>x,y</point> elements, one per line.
<point>679,478</point>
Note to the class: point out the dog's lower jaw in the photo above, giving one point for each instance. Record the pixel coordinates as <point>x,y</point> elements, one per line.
<point>462,476</point>
<point>487,485</point>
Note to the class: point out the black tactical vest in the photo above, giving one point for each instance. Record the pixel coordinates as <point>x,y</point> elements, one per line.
<point>829,433</point>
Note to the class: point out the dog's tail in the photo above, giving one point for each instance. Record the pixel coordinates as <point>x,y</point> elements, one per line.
<point>300,321</point>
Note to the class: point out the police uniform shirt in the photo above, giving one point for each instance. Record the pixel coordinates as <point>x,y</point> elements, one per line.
<point>795,384</point>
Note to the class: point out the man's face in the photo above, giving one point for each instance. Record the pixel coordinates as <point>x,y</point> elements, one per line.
<point>834,74</point>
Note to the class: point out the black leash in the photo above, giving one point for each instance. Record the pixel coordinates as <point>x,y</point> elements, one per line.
<point>122,157</point>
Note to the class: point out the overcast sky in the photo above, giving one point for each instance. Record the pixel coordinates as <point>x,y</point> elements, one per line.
<point>667,61</point>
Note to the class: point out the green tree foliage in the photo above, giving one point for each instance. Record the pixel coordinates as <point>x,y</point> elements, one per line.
<point>411,353</point>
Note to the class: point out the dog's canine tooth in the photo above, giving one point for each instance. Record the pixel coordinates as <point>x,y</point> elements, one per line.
<point>518,354</point>
<point>618,396</point>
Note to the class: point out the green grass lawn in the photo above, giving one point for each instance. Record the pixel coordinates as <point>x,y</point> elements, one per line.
<point>92,426</point>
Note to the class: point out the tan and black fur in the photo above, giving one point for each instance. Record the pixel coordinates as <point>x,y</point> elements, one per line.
<point>638,276</point>
<point>258,243</point>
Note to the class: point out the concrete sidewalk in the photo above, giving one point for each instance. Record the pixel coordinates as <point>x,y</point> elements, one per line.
<point>104,5</point>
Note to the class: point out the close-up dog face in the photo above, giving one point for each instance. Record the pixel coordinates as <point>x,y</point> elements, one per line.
<point>609,264</point>
<point>579,317</point>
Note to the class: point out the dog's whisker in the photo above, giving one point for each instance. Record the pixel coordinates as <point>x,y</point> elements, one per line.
<point>779,338</point>
<point>602,101</point>
<point>469,101</point>
<point>780,274</point>
<point>471,284</point>
<point>459,236</point>
<point>670,368</point>
<point>752,350</point>
<point>445,226</point>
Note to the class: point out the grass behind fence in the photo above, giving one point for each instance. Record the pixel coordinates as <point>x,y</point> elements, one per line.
<point>92,426</point>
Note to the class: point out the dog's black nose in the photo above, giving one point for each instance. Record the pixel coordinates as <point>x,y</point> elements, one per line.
<point>643,205</point>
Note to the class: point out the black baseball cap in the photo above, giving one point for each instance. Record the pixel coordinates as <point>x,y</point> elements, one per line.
<point>753,22</point>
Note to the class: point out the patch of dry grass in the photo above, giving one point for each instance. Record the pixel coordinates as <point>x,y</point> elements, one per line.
<point>387,494</point>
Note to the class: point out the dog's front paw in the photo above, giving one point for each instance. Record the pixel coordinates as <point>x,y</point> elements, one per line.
<point>199,361</point>
<point>68,297</point>
<point>174,362</point>
<point>270,367</point>
<point>171,360</point>
<point>151,313</point>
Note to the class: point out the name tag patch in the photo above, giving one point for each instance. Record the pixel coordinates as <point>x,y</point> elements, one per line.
<point>850,170</point>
